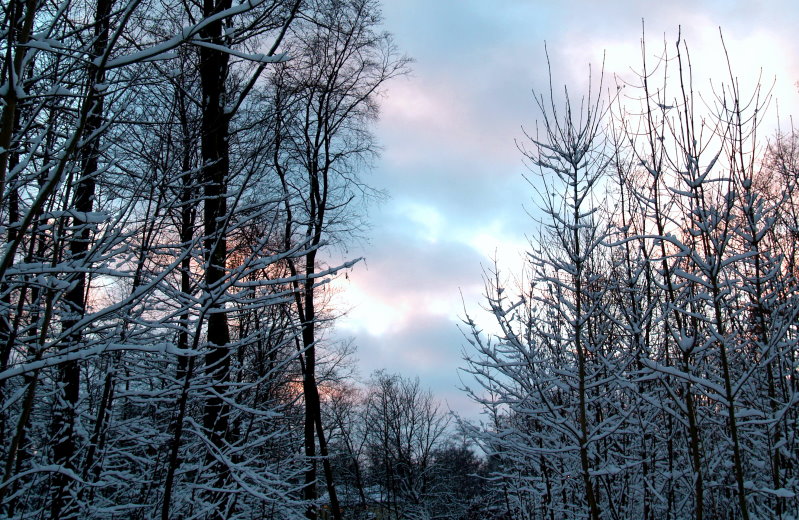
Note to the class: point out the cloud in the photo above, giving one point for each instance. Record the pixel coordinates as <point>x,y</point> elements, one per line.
<point>404,280</point>
<point>756,36</point>
<point>448,116</point>
<point>428,347</point>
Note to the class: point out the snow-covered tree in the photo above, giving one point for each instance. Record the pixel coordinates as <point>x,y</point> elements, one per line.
<point>149,360</point>
<point>643,370</point>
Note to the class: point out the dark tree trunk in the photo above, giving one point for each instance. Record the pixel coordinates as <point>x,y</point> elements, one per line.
<point>68,376</point>
<point>21,13</point>
<point>215,171</point>
<point>185,363</point>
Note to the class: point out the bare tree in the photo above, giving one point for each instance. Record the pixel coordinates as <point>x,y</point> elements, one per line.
<point>323,105</point>
<point>405,429</point>
<point>649,352</point>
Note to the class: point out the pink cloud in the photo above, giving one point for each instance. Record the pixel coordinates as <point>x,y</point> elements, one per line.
<point>446,115</point>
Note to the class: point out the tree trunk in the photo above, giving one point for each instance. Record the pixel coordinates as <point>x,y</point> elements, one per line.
<point>215,171</point>
<point>68,377</point>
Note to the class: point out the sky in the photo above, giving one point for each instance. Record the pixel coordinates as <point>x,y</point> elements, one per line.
<point>457,194</point>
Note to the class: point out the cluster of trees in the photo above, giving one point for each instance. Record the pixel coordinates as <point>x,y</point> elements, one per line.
<point>172,175</point>
<point>647,366</point>
<point>395,455</point>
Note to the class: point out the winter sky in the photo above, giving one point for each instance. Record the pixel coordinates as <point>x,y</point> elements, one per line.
<point>457,196</point>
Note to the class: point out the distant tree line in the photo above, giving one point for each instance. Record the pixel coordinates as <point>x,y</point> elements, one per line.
<point>395,455</point>
<point>645,364</point>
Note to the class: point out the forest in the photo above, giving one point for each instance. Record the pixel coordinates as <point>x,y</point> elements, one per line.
<point>178,184</point>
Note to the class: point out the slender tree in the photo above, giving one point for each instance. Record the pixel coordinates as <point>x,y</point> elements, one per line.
<point>324,103</point>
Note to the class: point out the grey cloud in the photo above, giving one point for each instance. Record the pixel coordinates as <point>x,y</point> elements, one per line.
<point>429,348</point>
